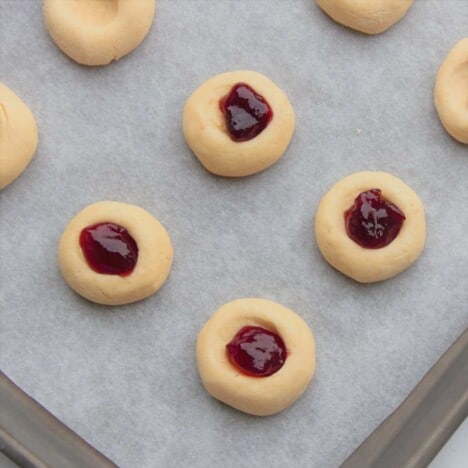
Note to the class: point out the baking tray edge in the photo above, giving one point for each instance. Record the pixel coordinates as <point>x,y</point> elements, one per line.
<point>415,432</point>
<point>32,437</point>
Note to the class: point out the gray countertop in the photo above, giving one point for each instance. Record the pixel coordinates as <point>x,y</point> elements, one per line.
<point>455,453</point>
<point>125,378</point>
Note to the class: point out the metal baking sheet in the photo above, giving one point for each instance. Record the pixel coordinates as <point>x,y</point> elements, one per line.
<point>124,378</point>
<point>32,437</point>
<point>413,434</point>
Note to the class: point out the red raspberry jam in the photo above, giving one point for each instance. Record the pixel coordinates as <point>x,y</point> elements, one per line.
<point>256,351</point>
<point>246,112</point>
<point>109,249</point>
<point>373,222</point>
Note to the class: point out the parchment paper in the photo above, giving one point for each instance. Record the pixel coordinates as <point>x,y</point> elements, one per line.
<point>125,378</point>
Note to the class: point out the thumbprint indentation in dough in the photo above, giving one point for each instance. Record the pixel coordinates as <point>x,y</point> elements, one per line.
<point>3,119</point>
<point>460,83</point>
<point>205,127</point>
<point>94,12</point>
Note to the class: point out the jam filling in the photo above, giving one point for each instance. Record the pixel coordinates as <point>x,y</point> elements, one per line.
<point>256,352</point>
<point>247,113</point>
<point>109,249</point>
<point>373,222</point>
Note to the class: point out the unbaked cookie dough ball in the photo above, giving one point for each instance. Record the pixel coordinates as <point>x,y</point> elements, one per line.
<point>95,32</point>
<point>256,356</point>
<point>18,136</point>
<point>370,226</point>
<point>238,123</point>
<point>367,16</point>
<point>115,253</point>
<point>451,92</point>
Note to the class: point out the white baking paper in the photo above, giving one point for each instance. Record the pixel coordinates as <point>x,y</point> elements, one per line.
<point>125,377</point>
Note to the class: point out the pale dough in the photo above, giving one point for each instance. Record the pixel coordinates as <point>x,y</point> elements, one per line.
<point>367,16</point>
<point>18,136</point>
<point>369,265</point>
<point>260,396</point>
<point>95,32</point>
<point>154,255</point>
<point>206,134</point>
<point>451,92</point>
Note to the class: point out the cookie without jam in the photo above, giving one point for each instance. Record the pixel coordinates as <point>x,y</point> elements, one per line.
<point>451,92</point>
<point>18,136</point>
<point>96,32</point>
<point>367,16</point>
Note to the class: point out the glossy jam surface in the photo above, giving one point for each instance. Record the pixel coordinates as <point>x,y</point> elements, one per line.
<point>373,222</point>
<point>109,249</point>
<point>256,351</point>
<point>247,113</point>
